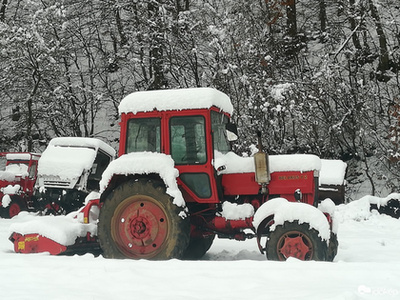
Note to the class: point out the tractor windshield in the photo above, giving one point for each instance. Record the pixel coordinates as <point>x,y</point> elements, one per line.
<point>219,122</point>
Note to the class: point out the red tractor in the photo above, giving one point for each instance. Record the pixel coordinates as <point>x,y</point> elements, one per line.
<point>176,185</point>
<point>17,182</point>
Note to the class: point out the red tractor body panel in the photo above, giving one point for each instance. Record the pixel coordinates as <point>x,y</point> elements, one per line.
<point>282,184</point>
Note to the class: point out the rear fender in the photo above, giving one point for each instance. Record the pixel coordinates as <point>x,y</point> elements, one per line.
<point>118,179</point>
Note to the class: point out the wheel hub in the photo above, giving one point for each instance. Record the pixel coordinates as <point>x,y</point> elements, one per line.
<point>297,246</point>
<point>140,227</point>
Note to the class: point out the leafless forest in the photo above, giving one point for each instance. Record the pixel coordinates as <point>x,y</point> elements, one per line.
<point>316,76</point>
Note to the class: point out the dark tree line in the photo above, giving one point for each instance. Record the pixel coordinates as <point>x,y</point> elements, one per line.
<point>315,76</point>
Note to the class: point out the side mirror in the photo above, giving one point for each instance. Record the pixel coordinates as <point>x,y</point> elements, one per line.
<point>231,132</point>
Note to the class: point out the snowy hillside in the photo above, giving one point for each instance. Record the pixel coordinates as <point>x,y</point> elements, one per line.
<point>367,266</point>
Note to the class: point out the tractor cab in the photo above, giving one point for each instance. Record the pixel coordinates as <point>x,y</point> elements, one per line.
<point>179,125</point>
<point>17,182</point>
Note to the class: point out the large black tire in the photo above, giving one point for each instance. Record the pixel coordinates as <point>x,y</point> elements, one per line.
<point>295,240</point>
<point>333,247</point>
<point>14,208</point>
<point>198,247</point>
<point>138,220</point>
<point>392,208</point>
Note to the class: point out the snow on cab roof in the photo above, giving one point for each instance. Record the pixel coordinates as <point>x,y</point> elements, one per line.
<point>82,142</point>
<point>178,99</point>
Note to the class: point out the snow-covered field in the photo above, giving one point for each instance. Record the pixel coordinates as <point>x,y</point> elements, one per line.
<point>367,267</point>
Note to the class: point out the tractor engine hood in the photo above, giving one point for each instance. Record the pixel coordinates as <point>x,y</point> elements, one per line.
<point>231,163</point>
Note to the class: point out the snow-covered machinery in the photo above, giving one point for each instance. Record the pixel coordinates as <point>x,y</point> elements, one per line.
<point>69,169</point>
<point>332,183</point>
<point>17,182</point>
<point>176,185</point>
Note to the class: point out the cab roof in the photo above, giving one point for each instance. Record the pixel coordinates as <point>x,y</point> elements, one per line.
<point>177,99</point>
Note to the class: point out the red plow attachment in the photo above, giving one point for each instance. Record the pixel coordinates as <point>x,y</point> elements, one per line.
<point>35,243</point>
<point>39,242</point>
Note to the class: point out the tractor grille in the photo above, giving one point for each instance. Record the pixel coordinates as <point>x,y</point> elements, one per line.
<point>57,183</point>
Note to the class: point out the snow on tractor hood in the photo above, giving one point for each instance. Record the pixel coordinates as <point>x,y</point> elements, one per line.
<point>179,99</point>
<point>332,172</point>
<point>278,163</point>
<point>146,163</point>
<point>68,157</point>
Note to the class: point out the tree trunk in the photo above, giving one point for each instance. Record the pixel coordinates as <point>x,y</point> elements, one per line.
<point>353,26</point>
<point>384,54</point>
<point>3,10</point>
<point>291,18</point>
<point>158,80</point>
<point>322,15</point>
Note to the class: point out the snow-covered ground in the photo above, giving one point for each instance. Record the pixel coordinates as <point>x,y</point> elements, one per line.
<point>367,267</point>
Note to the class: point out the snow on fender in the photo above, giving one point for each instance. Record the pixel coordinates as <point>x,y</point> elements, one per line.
<point>146,163</point>
<point>282,210</point>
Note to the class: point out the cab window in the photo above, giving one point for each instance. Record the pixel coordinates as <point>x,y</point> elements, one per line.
<point>218,123</point>
<point>143,135</point>
<point>188,142</point>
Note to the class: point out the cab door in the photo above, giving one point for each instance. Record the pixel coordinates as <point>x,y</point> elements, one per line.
<point>189,146</point>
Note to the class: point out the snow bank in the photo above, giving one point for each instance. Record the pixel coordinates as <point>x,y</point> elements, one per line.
<point>61,229</point>
<point>332,172</point>
<point>146,163</point>
<point>283,210</point>
<point>380,201</point>
<point>179,99</point>
<point>234,163</point>
<point>360,209</point>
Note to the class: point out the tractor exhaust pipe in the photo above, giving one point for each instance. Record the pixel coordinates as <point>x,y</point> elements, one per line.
<point>262,171</point>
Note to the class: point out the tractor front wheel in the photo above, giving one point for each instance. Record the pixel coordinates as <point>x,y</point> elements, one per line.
<point>295,240</point>
<point>138,220</point>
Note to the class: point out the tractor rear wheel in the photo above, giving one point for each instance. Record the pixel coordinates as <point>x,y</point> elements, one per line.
<point>198,246</point>
<point>138,220</point>
<point>333,247</point>
<point>295,240</point>
<point>14,208</point>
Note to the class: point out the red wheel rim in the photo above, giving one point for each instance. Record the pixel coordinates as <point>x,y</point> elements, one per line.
<point>14,209</point>
<point>139,227</point>
<point>295,244</point>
